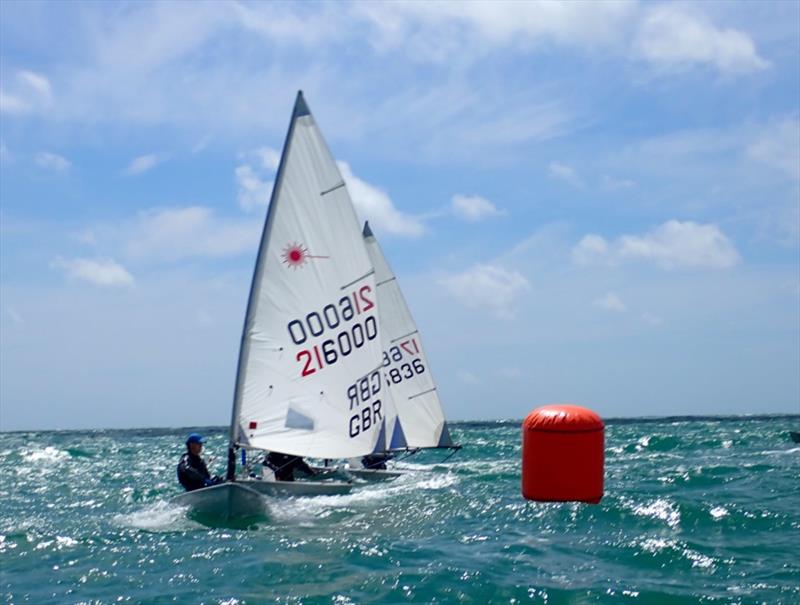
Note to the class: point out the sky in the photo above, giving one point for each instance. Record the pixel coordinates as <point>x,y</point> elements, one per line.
<point>592,203</point>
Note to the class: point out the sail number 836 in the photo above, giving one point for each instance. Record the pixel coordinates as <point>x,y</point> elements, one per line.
<point>405,371</point>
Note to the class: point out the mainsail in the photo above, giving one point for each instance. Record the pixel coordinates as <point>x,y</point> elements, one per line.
<point>309,379</point>
<point>419,421</point>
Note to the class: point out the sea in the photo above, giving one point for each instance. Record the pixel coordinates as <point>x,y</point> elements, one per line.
<point>696,510</point>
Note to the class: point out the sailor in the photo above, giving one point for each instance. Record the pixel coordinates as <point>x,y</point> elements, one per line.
<point>192,471</point>
<point>285,466</point>
<point>376,462</point>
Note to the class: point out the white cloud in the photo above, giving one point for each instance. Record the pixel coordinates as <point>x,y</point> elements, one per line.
<point>564,172</point>
<point>610,302</point>
<point>203,318</point>
<point>435,31</point>
<point>671,245</point>
<point>201,144</point>
<point>467,377</point>
<point>489,287</point>
<point>101,272</point>
<point>672,36</point>
<point>253,192</point>
<point>298,27</point>
<point>52,161</point>
<point>509,372</point>
<point>270,158</point>
<point>614,184</point>
<point>86,237</point>
<point>37,83</point>
<point>653,320</point>
<point>591,248</point>
<point>176,233</point>
<point>142,70</point>
<point>376,206</point>
<point>143,163</point>
<point>15,316</point>
<point>473,208</point>
<point>30,92</point>
<point>779,146</point>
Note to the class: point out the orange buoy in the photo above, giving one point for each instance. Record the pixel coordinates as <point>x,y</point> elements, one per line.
<point>563,454</point>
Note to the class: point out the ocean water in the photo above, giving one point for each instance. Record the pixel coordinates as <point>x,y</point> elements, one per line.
<point>696,511</point>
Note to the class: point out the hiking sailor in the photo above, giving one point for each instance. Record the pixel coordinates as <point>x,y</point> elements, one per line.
<point>282,467</point>
<point>192,471</point>
<point>372,462</point>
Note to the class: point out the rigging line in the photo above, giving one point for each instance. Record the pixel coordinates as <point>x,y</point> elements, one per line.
<point>383,461</point>
<point>409,453</point>
<point>426,447</point>
<point>283,466</point>
<point>355,281</point>
<point>404,336</point>
<point>453,453</point>
<point>334,188</point>
<point>423,393</point>
<point>385,281</point>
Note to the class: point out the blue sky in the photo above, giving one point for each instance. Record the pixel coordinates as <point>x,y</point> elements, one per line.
<point>595,203</point>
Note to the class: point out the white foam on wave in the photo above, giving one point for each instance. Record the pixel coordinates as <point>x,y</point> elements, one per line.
<point>160,515</point>
<point>662,509</point>
<point>318,507</point>
<point>698,559</point>
<point>482,467</point>
<point>57,543</point>
<point>791,450</point>
<point>658,545</point>
<point>718,512</point>
<point>48,454</point>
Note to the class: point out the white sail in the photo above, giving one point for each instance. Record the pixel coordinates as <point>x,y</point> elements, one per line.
<point>419,418</point>
<point>309,381</point>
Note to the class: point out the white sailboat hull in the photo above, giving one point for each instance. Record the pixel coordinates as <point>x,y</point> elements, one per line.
<point>374,474</point>
<point>299,488</point>
<point>224,501</point>
<point>365,474</point>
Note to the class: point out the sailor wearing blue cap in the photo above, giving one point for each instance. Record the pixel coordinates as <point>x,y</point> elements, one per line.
<point>192,471</point>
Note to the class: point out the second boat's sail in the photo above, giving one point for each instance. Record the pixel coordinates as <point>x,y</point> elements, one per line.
<point>419,421</point>
<point>309,381</point>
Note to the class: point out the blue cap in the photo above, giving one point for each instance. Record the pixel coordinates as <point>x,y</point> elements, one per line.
<point>195,438</point>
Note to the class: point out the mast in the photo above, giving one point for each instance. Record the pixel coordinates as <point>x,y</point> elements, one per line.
<point>300,109</point>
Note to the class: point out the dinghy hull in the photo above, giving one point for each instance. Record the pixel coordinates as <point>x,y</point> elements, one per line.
<point>374,474</point>
<point>224,501</point>
<point>299,488</point>
<point>366,474</point>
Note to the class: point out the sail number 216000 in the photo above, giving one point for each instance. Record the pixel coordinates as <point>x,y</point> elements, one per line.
<point>341,344</point>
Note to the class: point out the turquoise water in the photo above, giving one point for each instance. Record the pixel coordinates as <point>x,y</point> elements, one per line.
<point>696,511</point>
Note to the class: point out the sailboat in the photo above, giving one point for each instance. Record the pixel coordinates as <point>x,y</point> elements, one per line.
<point>309,379</point>
<point>417,421</point>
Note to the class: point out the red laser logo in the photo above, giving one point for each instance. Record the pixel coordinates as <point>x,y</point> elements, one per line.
<point>296,255</point>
